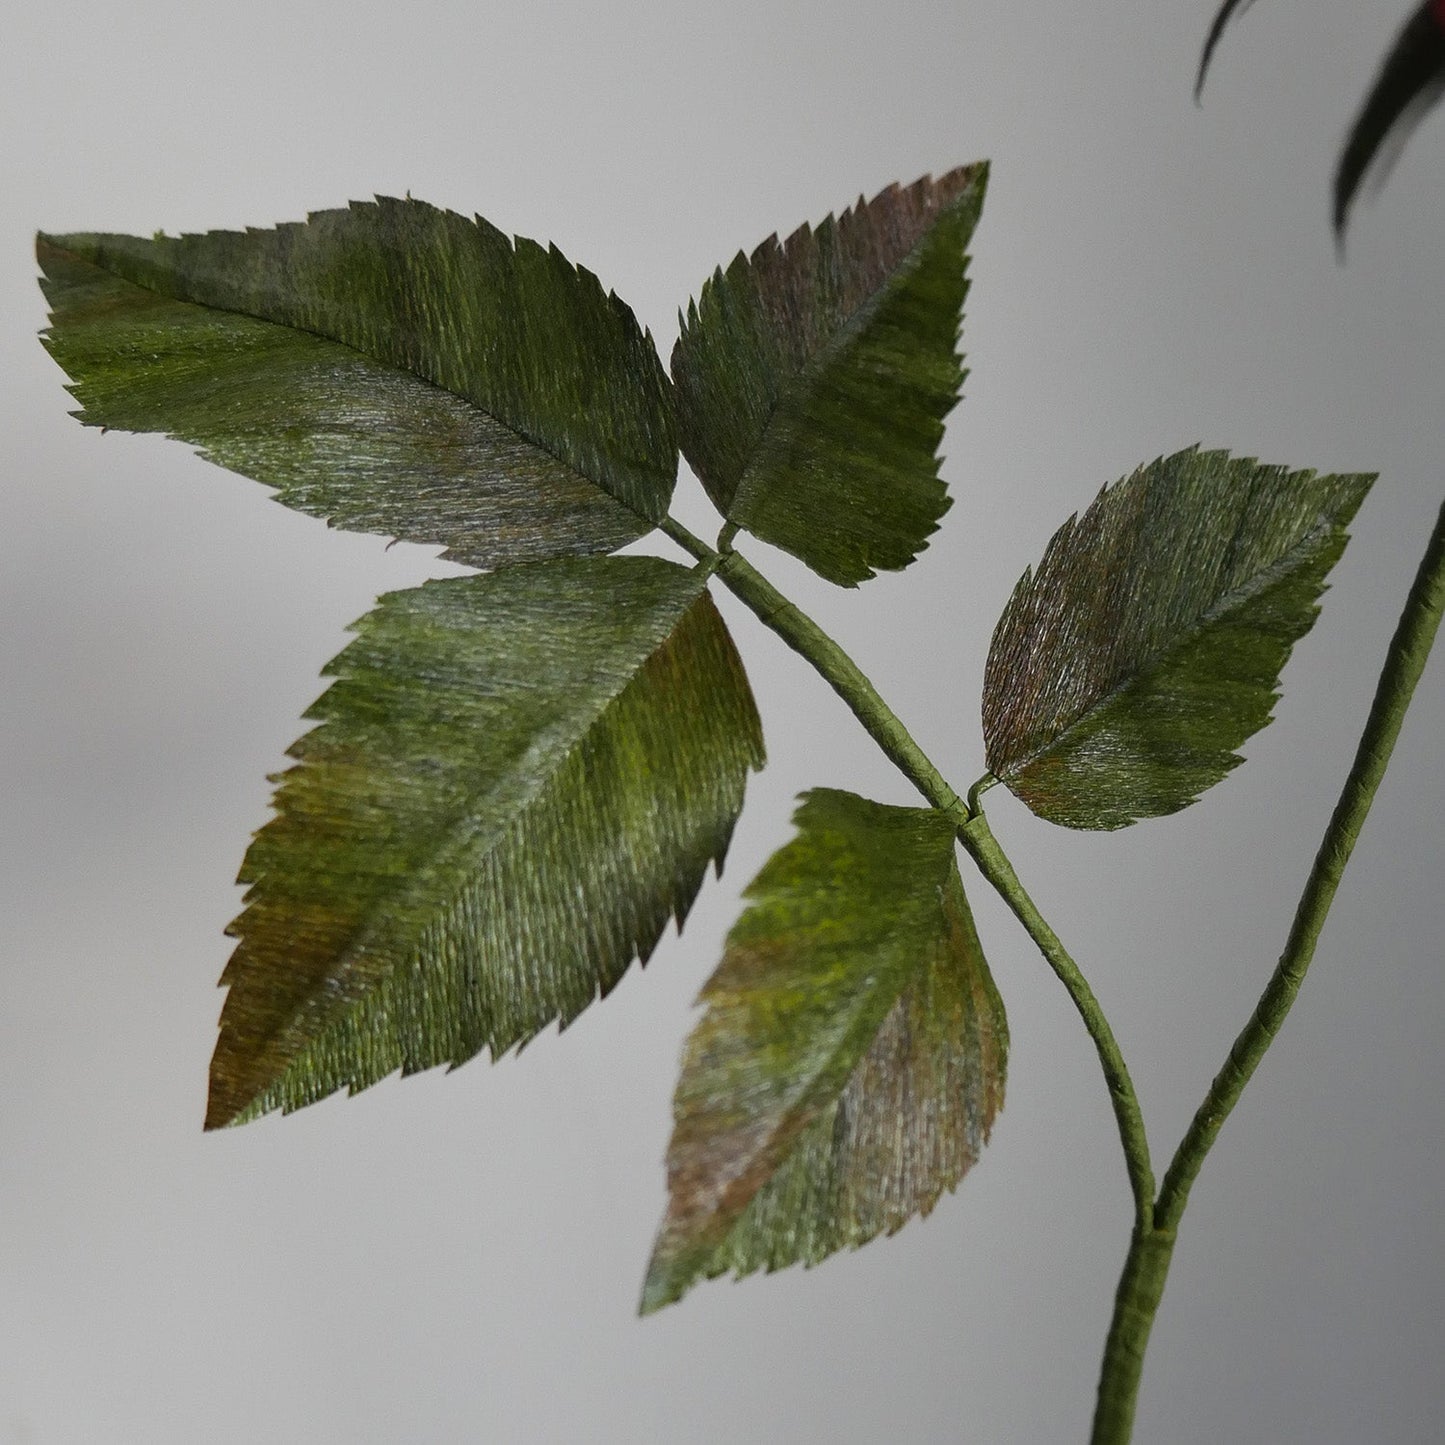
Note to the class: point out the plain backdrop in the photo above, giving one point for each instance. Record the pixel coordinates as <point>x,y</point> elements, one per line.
<point>458,1258</point>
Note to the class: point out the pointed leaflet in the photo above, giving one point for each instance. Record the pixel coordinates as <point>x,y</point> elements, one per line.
<point>813,379</point>
<point>391,367</point>
<point>1410,82</point>
<point>1228,11</point>
<point>518,777</point>
<point>851,1060</point>
<point>1148,645</point>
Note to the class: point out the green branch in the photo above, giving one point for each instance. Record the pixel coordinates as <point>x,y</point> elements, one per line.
<point>993,863</point>
<point>839,670</point>
<point>1404,663</point>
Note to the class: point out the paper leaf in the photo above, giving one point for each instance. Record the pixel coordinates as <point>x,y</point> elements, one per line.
<point>392,367</point>
<point>850,1062</point>
<point>813,378</point>
<point>517,779</point>
<point>1147,646</point>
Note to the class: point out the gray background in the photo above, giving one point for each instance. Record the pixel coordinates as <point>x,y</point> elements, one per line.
<point>458,1258</point>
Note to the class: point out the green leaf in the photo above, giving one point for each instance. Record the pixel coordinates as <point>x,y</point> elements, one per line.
<point>813,379</point>
<point>851,1059</point>
<point>1148,645</point>
<point>391,367</point>
<point>518,777</point>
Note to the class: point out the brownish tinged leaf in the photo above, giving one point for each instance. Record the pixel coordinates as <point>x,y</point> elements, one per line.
<point>518,778</point>
<point>1147,646</point>
<point>851,1059</point>
<point>813,377</point>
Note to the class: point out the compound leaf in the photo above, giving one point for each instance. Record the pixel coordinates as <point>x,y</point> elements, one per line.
<point>813,378</point>
<point>391,367</point>
<point>851,1058</point>
<point>1148,644</point>
<point>517,779</point>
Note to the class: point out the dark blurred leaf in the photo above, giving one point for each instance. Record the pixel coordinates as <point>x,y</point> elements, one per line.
<point>1148,645</point>
<point>813,378</point>
<point>391,367</point>
<point>517,779</point>
<point>1227,12</point>
<point>1410,82</point>
<point>851,1059</point>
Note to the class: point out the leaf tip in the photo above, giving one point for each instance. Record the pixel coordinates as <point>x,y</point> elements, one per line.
<point>234,1095</point>
<point>670,1271</point>
<point>1410,82</point>
<point>1228,11</point>
<point>221,1111</point>
<point>657,1294</point>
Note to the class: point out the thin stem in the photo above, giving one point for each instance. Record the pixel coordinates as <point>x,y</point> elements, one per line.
<point>1404,663</point>
<point>839,670</point>
<point>1142,1283</point>
<point>978,838</point>
<point>975,793</point>
<point>671,527</point>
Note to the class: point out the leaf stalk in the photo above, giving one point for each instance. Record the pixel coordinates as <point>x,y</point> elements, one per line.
<point>993,863</point>
<point>829,660</point>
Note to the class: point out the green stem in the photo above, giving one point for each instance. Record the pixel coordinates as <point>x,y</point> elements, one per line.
<point>1404,663</point>
<point>671,527</point>
<point>1142,1283</point>
<point>839,670</point>
<point>1141,1287</point>
<point>983,847</point>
